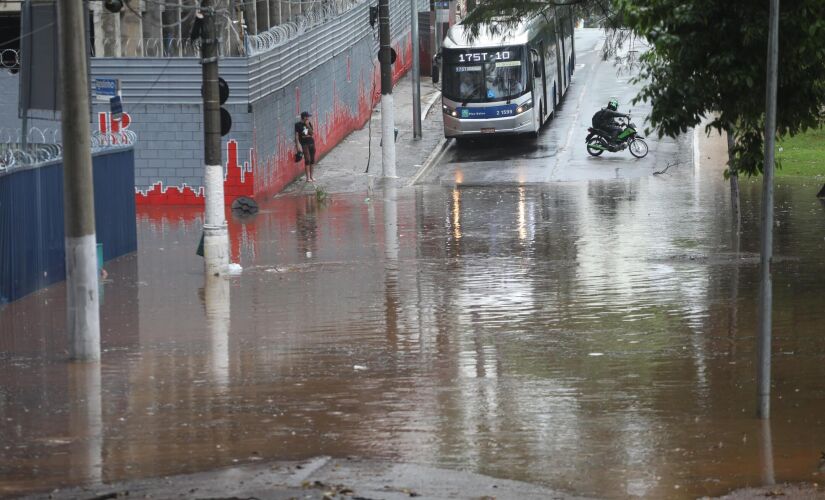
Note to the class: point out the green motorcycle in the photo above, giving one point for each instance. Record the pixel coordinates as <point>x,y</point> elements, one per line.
<point>598,142</point>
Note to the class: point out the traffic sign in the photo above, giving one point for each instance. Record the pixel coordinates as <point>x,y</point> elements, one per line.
<point>106,88</point>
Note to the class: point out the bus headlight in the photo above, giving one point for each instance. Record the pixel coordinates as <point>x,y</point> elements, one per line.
<point>525,106</point>
<point>448,110</point>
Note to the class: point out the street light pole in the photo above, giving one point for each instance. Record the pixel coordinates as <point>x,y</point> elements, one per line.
<point>387,106</point>
<point>82,300</point>
<point>766,292</point>
<point>215,234</point>
<point>416,71</point>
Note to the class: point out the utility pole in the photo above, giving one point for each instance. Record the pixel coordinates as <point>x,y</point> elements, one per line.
<point>387,107</point>
<point>416,71</point>
<point>766,291</point>
<point>215,234</point>
<point>82,301</point>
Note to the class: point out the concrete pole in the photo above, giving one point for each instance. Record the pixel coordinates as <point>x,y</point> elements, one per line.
<point>107,31</point>
<point>263,15</point>
<point>131,30</point>
<point>387,106</point>
<point>216,237</point>
<point>152,30</point>
<point>250,14</point>
<point>766,288</point>
<point>82,301</point>
<point>275,12</point>
<point>416,70</point>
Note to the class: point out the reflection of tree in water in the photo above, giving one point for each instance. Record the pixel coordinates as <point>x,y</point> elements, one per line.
<point>306,225</point>
<point>607,196</point>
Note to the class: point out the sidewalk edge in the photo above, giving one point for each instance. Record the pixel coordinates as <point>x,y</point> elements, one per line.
<point>431,160</point>
<point>437,151</point>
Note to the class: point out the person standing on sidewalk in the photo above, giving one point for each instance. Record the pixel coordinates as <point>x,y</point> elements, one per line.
<point>305,142</point>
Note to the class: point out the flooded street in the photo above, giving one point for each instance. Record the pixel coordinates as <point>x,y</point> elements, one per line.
<point>596,337</point>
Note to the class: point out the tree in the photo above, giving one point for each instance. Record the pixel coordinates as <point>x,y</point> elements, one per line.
<point>708,56</point>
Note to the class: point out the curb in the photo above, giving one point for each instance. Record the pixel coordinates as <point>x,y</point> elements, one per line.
<point>437,151</point>
<point>431,160</point>
<point>430,104</point>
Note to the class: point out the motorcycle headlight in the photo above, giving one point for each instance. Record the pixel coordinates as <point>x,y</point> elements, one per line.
<point>448,110</point>
<point>525,106</point>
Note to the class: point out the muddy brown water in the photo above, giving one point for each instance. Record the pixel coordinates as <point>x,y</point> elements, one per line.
<point>596,337</point>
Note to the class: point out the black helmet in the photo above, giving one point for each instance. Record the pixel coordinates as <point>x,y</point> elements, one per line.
<point>613,104</point>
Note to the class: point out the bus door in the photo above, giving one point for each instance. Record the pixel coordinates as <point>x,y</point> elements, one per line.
<point>543,63</point>
<point>538,72</point>
<point>559,61</point>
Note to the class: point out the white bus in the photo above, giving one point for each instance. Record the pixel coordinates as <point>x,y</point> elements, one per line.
<point>509,83</point>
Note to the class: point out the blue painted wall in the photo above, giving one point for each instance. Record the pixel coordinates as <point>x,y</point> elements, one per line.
<point>32,252</point>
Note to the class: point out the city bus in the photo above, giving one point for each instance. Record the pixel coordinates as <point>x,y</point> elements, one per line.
<point>507,83</point>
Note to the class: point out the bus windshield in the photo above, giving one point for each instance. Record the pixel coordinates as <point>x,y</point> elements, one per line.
<point>484,75</point>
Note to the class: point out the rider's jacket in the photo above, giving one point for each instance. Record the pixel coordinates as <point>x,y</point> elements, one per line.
<point>603,119</point>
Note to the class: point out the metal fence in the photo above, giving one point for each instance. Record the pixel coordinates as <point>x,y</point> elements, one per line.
<point>45,145</point>
<point>278,35</point>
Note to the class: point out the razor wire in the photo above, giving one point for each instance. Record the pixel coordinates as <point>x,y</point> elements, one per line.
<point>44,145</point>
<point>278,35</point>
<point>152,47</point>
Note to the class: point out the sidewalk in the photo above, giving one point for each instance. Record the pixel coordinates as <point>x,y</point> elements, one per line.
<point>342,170</point>
<point>319,478</point>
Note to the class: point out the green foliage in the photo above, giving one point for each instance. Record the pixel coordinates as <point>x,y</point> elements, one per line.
<point>803,155</point>
<point>500,15</point>
<point>709,56</point>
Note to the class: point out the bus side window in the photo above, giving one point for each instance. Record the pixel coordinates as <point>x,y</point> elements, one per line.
<point>534,56</point>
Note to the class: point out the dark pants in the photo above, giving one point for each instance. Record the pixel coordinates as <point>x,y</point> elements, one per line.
<point>614,132</point>
<point>309,153</point>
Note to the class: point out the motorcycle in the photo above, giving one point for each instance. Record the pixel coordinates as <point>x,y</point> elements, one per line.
<point>598,142</point>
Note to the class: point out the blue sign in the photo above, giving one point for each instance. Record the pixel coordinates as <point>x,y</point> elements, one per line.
<point>106,88</point>
<point>487,112</point>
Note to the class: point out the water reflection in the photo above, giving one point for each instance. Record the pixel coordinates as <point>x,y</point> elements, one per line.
<point>593,337</point>
<point>85,421</point>
<point>216,302</point>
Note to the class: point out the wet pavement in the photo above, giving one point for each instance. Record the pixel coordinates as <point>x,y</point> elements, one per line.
<point>595,337</point>
<point>559,154</point>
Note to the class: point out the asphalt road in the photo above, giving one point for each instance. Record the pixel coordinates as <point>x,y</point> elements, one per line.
<point>559,153</point>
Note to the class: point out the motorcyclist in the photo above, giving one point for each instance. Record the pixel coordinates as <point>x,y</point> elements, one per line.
<point>604,120</point>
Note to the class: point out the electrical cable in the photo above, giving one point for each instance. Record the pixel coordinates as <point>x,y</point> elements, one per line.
<point>369,123</point>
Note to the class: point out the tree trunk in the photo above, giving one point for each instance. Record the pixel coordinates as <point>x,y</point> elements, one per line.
<point>734,185</point>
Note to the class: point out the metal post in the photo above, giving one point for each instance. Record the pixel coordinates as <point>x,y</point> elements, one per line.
<point>416,71</point>
<point>82,301</point>
<point>766,292</point>
<point>216,238</point>
<point>387,106</point>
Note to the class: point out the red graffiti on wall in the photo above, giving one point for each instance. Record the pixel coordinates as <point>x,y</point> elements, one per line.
<point>238,181</point>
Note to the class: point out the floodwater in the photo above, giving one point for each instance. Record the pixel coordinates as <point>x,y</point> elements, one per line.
<point>595,337</point>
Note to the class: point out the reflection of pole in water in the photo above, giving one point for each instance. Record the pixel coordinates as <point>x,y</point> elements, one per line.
<point>766,450</point>
<point>391,257</point>
<point>216,299</point>
<point>86,422</point>
<point>391,221</point>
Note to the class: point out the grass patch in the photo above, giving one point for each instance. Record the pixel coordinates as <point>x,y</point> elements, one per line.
<point>803,155</point>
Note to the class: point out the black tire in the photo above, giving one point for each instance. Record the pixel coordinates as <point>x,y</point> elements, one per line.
<point>638,148</point>
<point>595,151</point>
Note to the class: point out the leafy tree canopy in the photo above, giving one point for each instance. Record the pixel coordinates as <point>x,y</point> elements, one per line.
<point>711,56</point>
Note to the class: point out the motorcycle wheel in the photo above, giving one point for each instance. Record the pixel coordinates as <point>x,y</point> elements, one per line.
<point>598,141</point>
<point>638,148</point>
